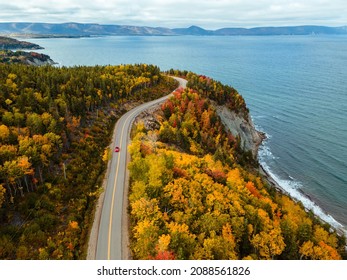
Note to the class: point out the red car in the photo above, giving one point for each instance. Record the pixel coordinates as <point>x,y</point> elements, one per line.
<point>116,150</point>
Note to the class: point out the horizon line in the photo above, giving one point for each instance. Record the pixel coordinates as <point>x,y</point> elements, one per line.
<point>193,25</point>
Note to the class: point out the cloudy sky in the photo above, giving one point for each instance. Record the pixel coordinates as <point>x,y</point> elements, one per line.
<point>210,14</point>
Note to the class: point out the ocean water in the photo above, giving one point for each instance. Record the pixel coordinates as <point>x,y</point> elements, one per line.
<point>294,86</point>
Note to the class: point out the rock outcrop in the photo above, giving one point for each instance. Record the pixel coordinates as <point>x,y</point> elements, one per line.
<point>238,125</point>
<point>243,127</point>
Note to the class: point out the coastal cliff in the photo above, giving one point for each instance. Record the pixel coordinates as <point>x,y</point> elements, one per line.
<point>22,57</point>
<point>236,123</point>
<point>241,126</point>
<point>7,55</point>
<point>196,185</point>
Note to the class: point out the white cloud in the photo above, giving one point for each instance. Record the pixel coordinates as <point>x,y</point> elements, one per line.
<point>180,13</point>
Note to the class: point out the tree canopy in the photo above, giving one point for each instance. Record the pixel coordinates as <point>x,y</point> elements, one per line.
<point>55,125</point>
<point>192,197</point>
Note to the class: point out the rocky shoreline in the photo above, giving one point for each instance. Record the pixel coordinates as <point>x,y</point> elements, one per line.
<point>257,138</point>
<point>251,140</point>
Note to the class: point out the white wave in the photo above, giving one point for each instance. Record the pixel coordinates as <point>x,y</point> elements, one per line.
<point>265,153</point>
<point>257,117</point>
<point>262,130</point>
<point>293,189</point>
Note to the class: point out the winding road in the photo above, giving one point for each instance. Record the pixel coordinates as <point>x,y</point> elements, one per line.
<point>112,243</point>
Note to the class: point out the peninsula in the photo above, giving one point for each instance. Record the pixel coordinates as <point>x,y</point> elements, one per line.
<point>8,55</point>
<point>7,43</point>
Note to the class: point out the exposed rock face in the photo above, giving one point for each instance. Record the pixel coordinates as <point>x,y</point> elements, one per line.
<point>149,118</point>
<point>39,59</point>
<point>236,123</point>
<point>243,127</point>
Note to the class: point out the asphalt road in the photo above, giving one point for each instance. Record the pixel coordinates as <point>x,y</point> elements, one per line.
<point>110,245</point>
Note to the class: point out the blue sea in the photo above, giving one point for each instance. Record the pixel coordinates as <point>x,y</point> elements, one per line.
<point>294,86</point>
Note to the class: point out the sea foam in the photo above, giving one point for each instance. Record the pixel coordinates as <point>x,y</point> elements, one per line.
<point>293,188</point>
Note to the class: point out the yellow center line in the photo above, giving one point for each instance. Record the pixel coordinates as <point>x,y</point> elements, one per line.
<point>114,190</point>
<point>115,180</point>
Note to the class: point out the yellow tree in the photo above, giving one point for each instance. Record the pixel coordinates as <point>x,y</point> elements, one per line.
<point>7,152</point>
<point>144,208</point>
<point>11,172</point>
<point>138,190</point>
<point>107,155</point>
<point>175,192</point>
<point>320,234</point>
<point>321,251</point>
<point>268,244</point>
<point>234,178</point>
<point>2,195</point>
<point>4,133</point>
<point>220,247</point>
<point>25,170</point>
<point>146,234</point>
<point>162,248</point>
<point>156,170</point>
<point>182,240</point>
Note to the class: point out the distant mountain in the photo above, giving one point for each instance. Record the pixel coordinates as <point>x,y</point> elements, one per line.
<point>193,30</point>
<point>79,29</point>
<point>286,30</point>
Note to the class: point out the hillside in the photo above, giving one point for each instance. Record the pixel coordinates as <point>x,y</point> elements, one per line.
<point>197,193</point>
<point>79,29</point>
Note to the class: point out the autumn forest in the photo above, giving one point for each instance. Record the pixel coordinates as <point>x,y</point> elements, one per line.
<point>194,192</point>
<point>54,127</point>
